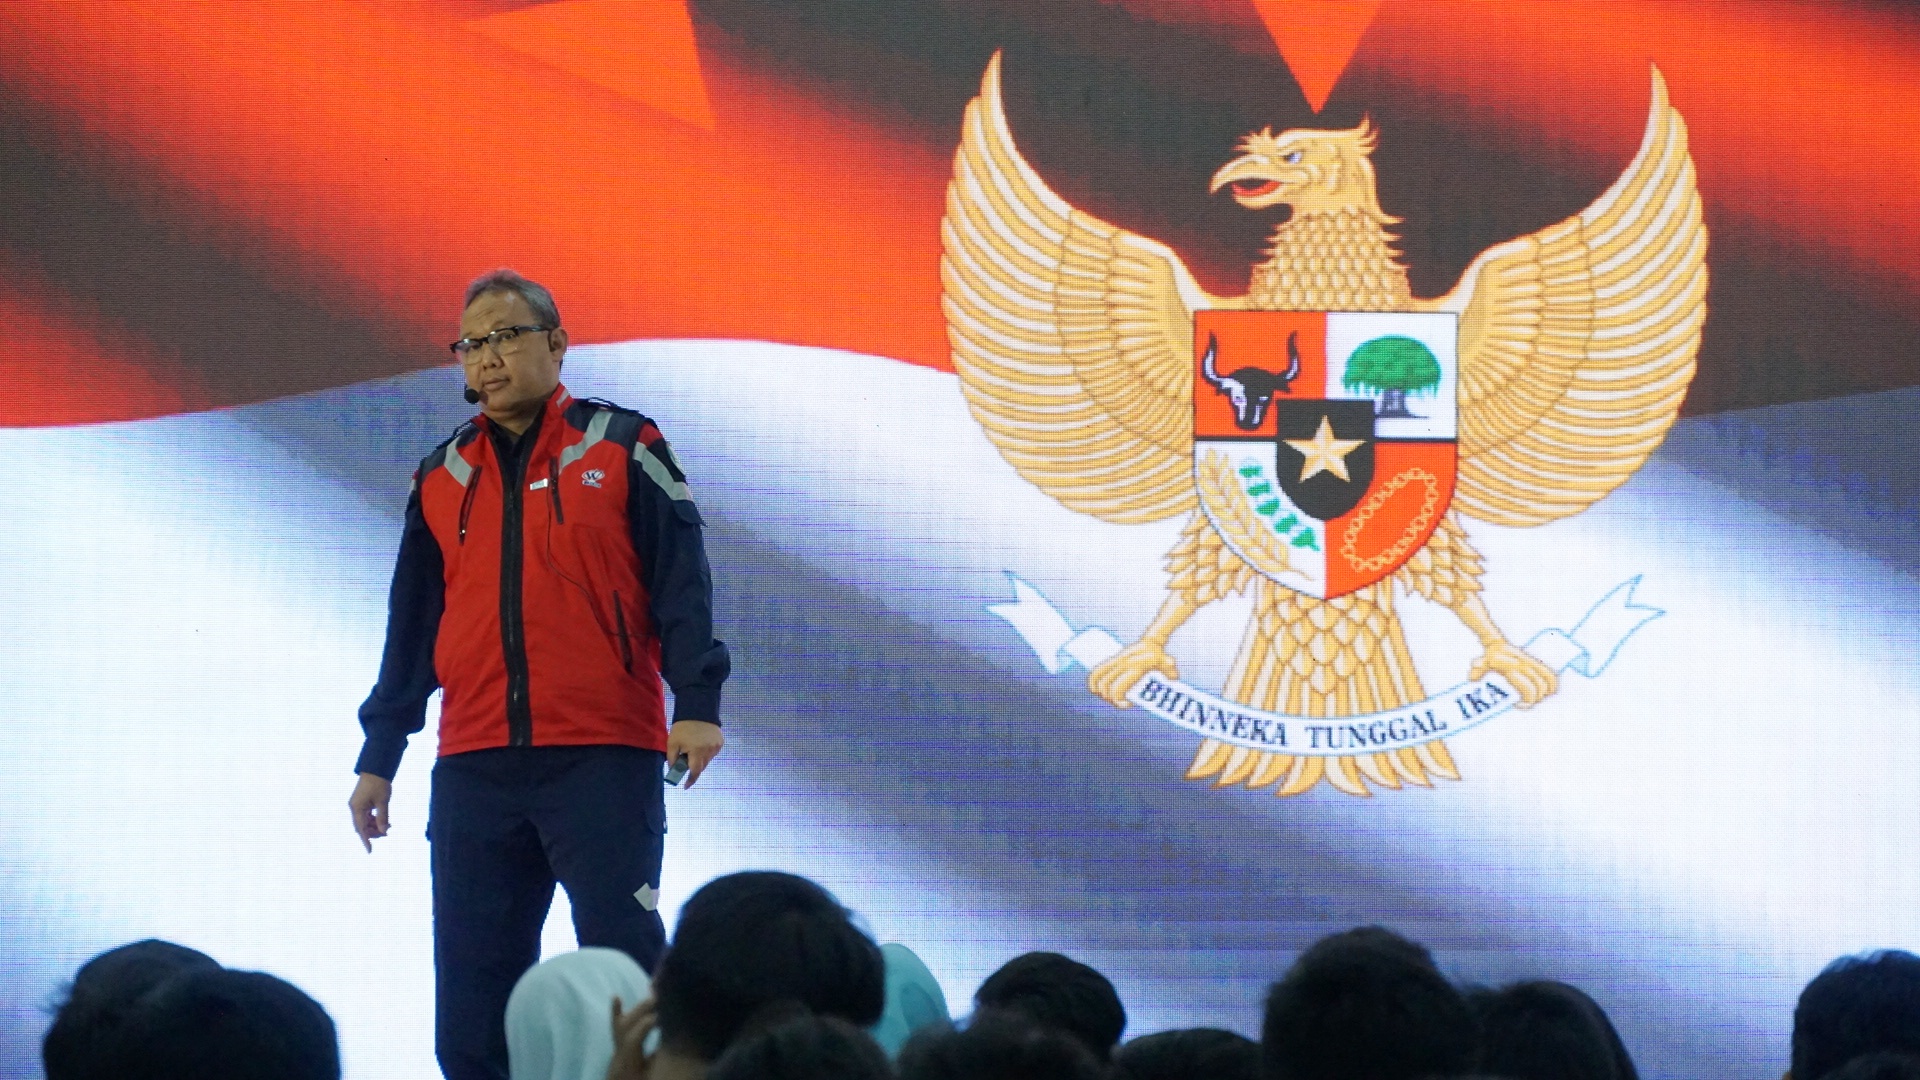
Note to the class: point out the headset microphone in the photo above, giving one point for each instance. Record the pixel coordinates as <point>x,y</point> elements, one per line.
<point>473,396</point>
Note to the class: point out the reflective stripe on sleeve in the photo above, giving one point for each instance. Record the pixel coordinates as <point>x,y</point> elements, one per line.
<point>657,471</point>
<point>461,469</point>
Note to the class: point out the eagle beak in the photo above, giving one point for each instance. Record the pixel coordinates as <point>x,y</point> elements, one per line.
<point>1257,180</point>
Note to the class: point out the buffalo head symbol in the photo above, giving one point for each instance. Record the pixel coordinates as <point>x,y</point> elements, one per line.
<point>1251,389</point>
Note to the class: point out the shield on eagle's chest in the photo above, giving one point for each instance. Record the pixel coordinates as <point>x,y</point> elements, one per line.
<point>1324,443</point>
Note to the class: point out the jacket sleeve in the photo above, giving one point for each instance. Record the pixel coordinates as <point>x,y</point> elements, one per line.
<point>398,705</point>
<point>673,563</point>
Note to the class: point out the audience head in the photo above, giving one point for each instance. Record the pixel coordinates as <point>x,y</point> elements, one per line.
<point>1193,1054</point>
<point>748,940</point>
<point>1375,937</point>
<point>217,1024</point>
<point>914,1000</point>
<point>557,1025</point>
<point>999,1045</point>
<point>1881,1066</point>
<point>1056,992</point>
<point>1365,1005</point>
<point>103,990</point>
<point>1548,1031</point>
<point>786,1042</point>
<point>1858,1005</point>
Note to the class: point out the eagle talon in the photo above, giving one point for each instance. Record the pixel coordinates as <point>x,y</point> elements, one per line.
<point>1113,677</point>
<point>1535,680</point>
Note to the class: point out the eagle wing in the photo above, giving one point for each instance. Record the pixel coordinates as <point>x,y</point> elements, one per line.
<point>1073,338</point>
<point>1577,343</point>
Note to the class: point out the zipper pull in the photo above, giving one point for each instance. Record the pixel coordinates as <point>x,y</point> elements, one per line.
<point>553,489</point>
<point>466,504</point>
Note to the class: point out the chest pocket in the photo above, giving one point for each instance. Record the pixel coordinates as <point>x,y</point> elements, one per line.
<point>586,495</point>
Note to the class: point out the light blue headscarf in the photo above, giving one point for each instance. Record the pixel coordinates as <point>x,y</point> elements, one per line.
<point>557,1019</point>
<point>914,1000</point>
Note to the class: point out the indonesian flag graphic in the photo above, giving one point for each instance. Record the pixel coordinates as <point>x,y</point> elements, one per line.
<point>239,232</point>
<point>1324,442</point>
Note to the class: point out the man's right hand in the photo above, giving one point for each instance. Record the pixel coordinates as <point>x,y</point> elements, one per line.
<point>369,805</point>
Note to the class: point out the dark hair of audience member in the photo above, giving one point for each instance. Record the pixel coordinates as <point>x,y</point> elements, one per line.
<point>227,1025</point>
<point>103,990</point>
<point>1857,1005</point>
<point>1190,1054</point>
<point>999,1045</point>
<point>748,940</point>
<point>1548,1031</point>
<point>785,1041</point>
<point>1374,937</point>
<point>1885,1065</point>
<point>1365,1007</point>
<point>1057,992</point>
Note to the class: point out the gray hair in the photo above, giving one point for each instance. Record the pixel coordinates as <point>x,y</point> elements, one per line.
<point>507,280</point>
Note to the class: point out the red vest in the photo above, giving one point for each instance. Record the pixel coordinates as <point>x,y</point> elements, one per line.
<point>545,639</point>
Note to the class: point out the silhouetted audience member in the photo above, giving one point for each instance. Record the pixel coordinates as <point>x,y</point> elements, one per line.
<point>103,991</point>
<point>1881,1066</point>
<point>748,940</point>
<point>1054,991</point>
<point>1857,1005</point>
<point>1191,1054</point>
<point>1365,1005</point>
<point>1377,937</point>
<point>786,1042</point>
<point>999,1045</point>
<point>1548,1031</point>
<point>226,1025</point>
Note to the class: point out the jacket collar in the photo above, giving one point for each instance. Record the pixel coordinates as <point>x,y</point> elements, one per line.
<point>555,405</point>
<point>552,421</point>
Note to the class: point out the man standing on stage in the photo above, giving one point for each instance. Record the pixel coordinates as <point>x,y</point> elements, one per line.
<point>550,575</point>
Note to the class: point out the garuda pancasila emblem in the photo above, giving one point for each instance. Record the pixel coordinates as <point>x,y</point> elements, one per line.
<point>1106,376</point>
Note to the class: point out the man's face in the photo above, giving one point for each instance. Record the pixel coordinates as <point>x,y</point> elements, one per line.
<point>516,376</point>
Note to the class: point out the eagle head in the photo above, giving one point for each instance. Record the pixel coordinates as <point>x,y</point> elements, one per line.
<point>1315,172</point>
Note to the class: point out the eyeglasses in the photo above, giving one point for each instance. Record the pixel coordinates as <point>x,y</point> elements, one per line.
<point>499,339</point>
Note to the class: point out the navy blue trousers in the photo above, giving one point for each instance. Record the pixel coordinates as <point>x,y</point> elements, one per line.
<point>505,825</point>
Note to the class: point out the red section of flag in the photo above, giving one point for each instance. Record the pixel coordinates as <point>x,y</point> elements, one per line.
<point>76,371</point>
<point>1317,38</point>
<point>369,140</point>
<point>396,149</point>
<point>641,49</point>
<point>1801,116</point>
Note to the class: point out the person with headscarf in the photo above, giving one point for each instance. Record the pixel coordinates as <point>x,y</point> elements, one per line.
<point>914,1000</point>
<point>557,1015</point>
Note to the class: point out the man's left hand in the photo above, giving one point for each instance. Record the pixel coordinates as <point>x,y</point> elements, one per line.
<point>697,739</point>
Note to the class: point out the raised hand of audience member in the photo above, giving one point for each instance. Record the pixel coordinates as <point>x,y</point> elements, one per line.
<point>630,1030</point>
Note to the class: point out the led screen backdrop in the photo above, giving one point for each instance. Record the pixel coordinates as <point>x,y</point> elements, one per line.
<point>1324,381</point>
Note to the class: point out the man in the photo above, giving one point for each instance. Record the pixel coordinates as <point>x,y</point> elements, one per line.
<point>1058,992</point>
<point>551,572</point>
<point>1856,1005</point>
<point>1546,1030</point>
<point>104,992</point>
<point>751,940</point>
<point>1366,1002</point>
<point>999,1045</point>
<point>216,1024</point>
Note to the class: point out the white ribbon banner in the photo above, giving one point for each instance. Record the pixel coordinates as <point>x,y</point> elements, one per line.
<point>1587,649</point>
